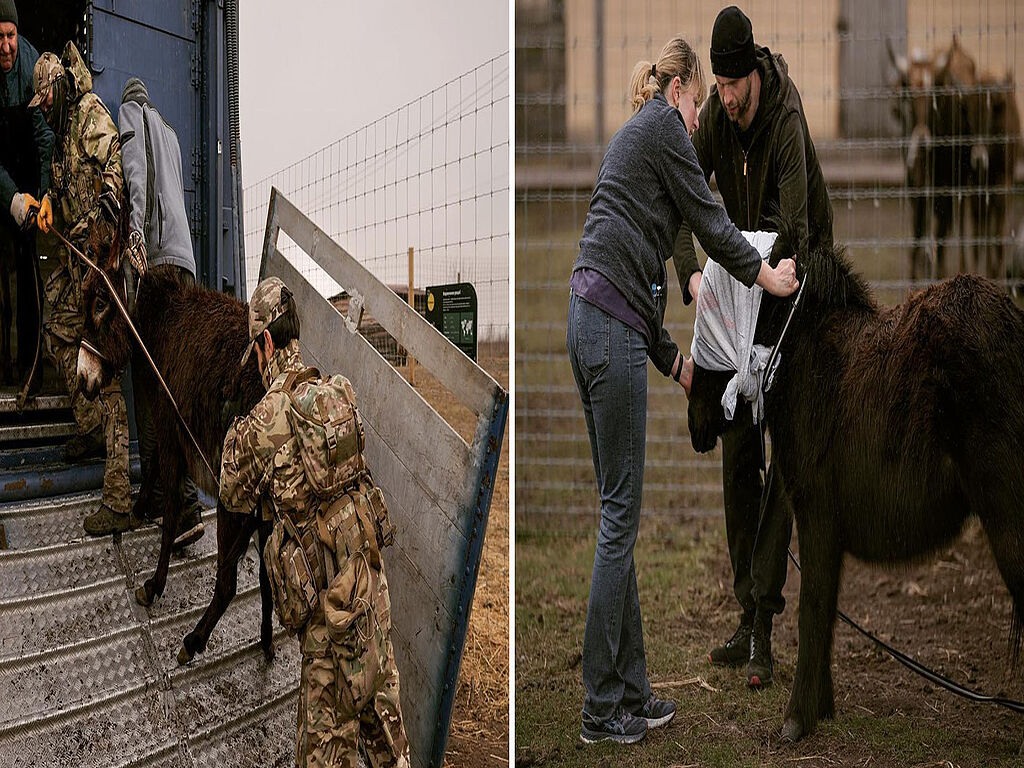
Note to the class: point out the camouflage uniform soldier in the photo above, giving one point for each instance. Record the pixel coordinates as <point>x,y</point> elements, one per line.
<point>86,196</point>
<point>349,687</point>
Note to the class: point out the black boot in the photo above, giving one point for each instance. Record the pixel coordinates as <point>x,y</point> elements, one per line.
<point>736,649</point>
<point>759,668</point>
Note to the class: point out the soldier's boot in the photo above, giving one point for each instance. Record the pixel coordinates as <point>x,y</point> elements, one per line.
<point>759,668</point>
<point>85,446</point>
<point>736,650</point>
<point>105,521</point>
<point>190,527</point>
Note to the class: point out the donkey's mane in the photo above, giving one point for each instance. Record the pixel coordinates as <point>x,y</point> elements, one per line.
<point>832,283</point>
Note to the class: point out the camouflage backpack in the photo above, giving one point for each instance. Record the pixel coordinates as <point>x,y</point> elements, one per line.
<point>329,432</point>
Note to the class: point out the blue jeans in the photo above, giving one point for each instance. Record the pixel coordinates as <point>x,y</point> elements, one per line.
<point>609,363</point>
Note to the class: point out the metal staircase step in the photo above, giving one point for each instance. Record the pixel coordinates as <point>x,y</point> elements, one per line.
<point>9,403</point>
<point>16,433</point>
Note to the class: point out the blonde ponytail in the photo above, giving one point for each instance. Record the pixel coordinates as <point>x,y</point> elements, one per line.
<point>643,84</point>
<point>676,59</point>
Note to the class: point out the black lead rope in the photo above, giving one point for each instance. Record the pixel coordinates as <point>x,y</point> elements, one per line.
<point>928,674</point>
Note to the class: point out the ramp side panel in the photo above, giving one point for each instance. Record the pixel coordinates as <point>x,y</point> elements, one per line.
<point>428,475</point>
<point>470,384</point>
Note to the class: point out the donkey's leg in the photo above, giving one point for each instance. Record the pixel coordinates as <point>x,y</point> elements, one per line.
<point>821,560</point>
<point>266,597</point>
<point>233,534</point>
<point>171,468</point>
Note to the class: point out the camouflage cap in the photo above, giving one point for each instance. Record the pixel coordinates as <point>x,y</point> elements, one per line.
<point>269,301</point>
<point>48,70</point>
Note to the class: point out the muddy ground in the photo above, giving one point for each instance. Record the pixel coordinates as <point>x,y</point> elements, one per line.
<point>951,613</point>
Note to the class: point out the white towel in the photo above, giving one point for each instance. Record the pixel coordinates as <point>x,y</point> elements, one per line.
<point>723,333</point>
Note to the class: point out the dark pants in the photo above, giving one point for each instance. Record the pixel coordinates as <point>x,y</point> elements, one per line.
<point>758,525</point>
<point>609,363</point>
<point>149,447</point>
<point>18,249</point>
<point>30,297</point>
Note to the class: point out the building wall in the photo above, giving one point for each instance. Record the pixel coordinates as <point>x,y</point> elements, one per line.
<point>806,33</point>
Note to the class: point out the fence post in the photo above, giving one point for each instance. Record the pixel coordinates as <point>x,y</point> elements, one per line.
<point>412,303</point>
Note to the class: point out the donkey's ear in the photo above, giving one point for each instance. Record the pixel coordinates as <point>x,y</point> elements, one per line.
<point>787,242</point>
<point>114,260</point>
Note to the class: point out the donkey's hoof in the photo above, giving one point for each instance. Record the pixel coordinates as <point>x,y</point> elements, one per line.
<point>791,732</point>
<point>269,651</point>
<point>184,657</point>
<point>142,596</point>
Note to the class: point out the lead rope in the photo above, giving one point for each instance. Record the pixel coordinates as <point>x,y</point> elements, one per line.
<point>135,333</point>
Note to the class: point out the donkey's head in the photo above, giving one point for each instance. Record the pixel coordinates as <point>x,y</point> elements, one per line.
<point>106,340</point>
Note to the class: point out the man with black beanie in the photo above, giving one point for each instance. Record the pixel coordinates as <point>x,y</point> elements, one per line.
<point>752,135</point>
<point>26,146</point>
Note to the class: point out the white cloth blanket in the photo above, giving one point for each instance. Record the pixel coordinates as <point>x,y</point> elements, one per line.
<point>723,332</point>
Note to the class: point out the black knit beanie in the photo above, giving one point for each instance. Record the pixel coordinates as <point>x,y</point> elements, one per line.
<point>8,12</point>
<point>732,44</point>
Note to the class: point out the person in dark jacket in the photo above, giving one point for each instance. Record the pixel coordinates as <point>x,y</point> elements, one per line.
<point>26,146</point>
<point>753,137</point>
<point>158,234</point>
<point>648,184</point>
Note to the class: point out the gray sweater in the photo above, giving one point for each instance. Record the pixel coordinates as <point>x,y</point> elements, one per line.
<point>649,182</point>
<point>151,159</point>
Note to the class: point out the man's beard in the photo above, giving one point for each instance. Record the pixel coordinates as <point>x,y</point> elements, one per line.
<point>741,110</point>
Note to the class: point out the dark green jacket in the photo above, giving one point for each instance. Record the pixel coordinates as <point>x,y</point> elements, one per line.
<point>26,141</point>
<point>779,174</point>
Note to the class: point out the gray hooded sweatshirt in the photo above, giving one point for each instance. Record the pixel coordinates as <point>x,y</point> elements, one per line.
<point>151,159</point>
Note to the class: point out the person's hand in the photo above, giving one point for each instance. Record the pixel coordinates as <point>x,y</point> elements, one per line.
<point>694,284</point>
<point>682,371</point>
<point>44,219</point>
<point>109,205</point>
<point>780,281</point>
<point>136,252</point>
<point>23,209</point>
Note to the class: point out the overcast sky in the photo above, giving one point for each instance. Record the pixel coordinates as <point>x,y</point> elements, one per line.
<point>312,71</point>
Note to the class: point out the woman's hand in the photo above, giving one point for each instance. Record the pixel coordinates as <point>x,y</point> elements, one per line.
<point>682,371</point>
<point>780,281</point>
<point>694,283</point>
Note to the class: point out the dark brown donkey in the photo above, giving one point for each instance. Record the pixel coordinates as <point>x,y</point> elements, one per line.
<point>196,337</point>
<point>889,427</point>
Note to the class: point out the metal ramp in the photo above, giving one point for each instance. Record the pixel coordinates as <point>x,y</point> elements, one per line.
<point>87,676</point>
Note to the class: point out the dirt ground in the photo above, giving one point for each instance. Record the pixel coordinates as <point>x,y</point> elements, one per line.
<point>952,613</point>
<point>480,726</point>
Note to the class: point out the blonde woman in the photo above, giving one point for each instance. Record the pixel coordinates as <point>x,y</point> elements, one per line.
<point>649,183</point>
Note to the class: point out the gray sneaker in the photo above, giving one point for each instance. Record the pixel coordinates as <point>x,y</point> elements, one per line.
<point>621,727</point>
<point>656,712</point>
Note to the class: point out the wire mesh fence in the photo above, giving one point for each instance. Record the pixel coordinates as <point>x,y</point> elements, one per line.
<point>913,108</point>
<point>431,176</point>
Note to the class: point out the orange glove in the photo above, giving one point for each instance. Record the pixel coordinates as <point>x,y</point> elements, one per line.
<point>44,219</point>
